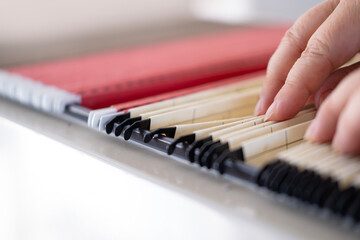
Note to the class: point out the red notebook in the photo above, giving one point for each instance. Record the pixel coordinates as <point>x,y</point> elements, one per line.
<point>105,79</point>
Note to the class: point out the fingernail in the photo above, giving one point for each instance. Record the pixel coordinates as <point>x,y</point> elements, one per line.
<point>258,108</point>
<point>270,111</point>
<point>311,132</point>
<point>335,145</point>
<point>339,144</point>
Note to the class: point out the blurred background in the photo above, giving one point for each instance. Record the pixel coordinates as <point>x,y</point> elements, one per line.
<point>40,30</point>
<point>72,195</point>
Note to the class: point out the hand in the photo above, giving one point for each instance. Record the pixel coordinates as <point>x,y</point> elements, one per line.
<point>305,66</point>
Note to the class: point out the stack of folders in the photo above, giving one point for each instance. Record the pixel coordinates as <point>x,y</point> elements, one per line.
<point>194,98</point>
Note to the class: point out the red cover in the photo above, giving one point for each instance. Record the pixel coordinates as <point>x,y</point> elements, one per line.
<point>130,74</point>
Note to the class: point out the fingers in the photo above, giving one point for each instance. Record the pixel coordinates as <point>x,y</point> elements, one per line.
<point>347,137</point>
<point>289,50</point>
<point>331,82</point>
<point>328,120</point>
<point>324,52</point>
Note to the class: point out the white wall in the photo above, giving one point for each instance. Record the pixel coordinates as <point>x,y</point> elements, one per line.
<point>251,11</point>
<point>39,20</point>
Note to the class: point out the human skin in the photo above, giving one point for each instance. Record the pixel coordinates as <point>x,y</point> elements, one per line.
<point>305,67</point>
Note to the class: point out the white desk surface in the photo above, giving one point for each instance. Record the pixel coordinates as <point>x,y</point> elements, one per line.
<point>59,180</point>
